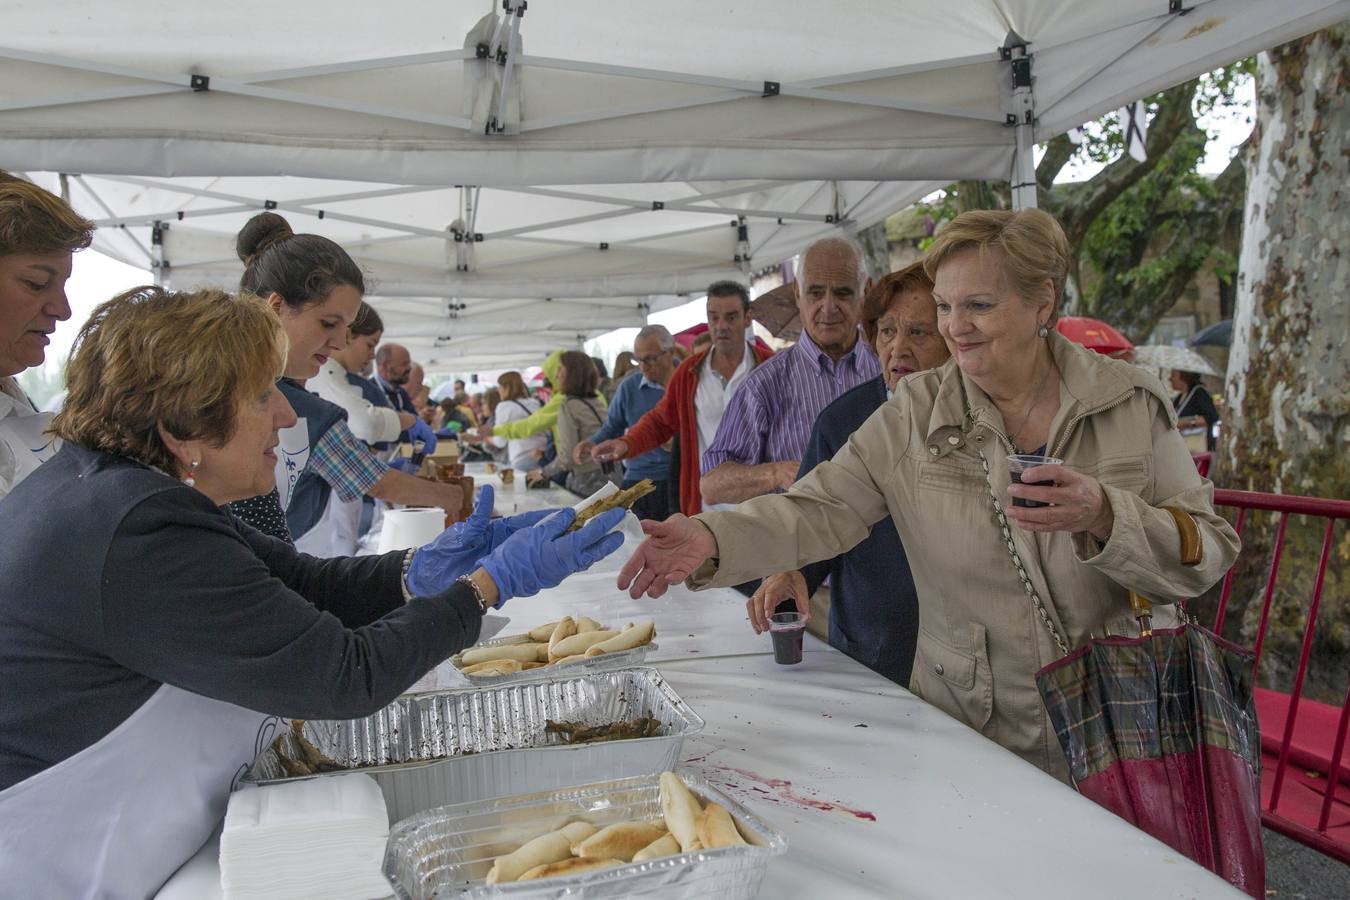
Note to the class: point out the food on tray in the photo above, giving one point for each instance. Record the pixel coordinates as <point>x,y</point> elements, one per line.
<point>686,825</point>
<point>619,841</point>
<point>555,846</point>
<point>581,733</point>
<point>578,644</point>
<point>632,637</point>
<point>665,845</point>
<point>520,652</point>
<point>625,498</point>
<point>717,828</point>
<point>310,761</point>
<point>681,810</point>
<point>567,640</point>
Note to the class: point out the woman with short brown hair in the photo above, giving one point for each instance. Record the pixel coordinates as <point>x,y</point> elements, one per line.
<point>39,233</point>
<point>151,639</point>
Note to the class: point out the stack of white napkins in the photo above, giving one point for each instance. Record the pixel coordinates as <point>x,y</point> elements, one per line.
<point>323,837</point>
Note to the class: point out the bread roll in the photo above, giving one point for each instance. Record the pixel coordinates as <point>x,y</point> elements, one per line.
<point>520,652</point>
<point>665,845</point>
<point>717,828</point>
<point>619,841</point>
<point>579,643</point>
<point>545,849</point>
<point>565,628</point>
<point>495,667</point>
<point>568,867</point>
<point>586,624</point>
<point>543,632</point>
<point>628,639</point>
<point>681,810</point>
<point>576,657</point>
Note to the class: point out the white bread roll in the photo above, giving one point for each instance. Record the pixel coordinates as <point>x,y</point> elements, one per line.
<point>628,639</point>
<point>618,841</point>
<point>665,845</point>
<point>547,848</point>
<point>681,810</point>
<point>519,652</point>
<point>579,643</point>
<point>717,828</point>
<point>568,867</point>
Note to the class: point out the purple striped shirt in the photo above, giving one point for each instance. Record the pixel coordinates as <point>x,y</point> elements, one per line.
<point>770,417</point>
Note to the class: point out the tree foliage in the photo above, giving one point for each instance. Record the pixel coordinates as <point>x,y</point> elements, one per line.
<point>1140,231</point>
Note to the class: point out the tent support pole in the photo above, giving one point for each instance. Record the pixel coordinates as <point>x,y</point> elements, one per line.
<point>1023,120</point>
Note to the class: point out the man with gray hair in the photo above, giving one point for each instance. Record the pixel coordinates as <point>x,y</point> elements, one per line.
<point>762,436</point>
<point>654,352</point>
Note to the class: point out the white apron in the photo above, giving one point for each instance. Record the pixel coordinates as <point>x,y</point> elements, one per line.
<point>336,532</point>
<point>292,457</point>
<point>24,443</point>
<point>118,818</point>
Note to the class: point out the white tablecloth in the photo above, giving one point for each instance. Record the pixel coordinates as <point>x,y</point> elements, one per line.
<point>879,794</point>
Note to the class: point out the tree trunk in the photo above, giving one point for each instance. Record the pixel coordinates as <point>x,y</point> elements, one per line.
<point>1287,420</point>
<point>876,250</point>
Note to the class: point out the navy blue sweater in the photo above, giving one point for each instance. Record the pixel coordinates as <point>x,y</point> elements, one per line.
<point>874,608</point>
<point>116,578</point>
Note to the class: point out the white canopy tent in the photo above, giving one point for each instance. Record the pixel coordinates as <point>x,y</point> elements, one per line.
<point>656,125</point>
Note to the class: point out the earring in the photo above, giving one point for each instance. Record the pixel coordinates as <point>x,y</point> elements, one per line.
<point>1043,331</point>
<point>191,479</point>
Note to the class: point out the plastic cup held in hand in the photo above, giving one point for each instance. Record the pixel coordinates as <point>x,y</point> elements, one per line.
<point>786,629</point>
<point>1019,463</point>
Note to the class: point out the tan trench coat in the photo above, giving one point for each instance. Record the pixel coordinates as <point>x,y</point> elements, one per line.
<point>917,459</point>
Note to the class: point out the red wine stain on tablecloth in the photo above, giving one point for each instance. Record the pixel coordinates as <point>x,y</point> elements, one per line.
<point>752,785</point>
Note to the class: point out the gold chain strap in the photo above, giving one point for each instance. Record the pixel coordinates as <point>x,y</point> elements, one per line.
<point>1017,561</point>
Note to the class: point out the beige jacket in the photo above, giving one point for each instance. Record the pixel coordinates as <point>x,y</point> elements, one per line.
<point>917,459</point>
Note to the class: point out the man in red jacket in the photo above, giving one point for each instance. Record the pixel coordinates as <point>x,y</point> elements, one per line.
<point>697,394</point>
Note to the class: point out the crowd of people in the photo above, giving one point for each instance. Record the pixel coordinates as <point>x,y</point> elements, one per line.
<point>222,460</point>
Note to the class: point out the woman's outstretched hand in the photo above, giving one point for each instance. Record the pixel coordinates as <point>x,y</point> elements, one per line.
<point>670,554</point>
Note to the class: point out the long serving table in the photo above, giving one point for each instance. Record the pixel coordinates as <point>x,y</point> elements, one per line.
<point>879,794</point>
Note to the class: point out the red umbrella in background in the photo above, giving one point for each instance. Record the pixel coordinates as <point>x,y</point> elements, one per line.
<point>686,338</point>
<point>1093,334</point>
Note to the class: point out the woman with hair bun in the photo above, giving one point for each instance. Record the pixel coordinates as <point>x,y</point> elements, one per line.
<point>315,288</point>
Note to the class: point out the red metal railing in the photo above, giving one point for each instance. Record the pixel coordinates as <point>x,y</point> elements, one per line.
<point>1333,511</point>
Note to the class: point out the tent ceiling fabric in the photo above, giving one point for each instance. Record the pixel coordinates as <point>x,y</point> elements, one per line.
<point>588,92</point>
<point>539,266</point>
<point>800,119</point>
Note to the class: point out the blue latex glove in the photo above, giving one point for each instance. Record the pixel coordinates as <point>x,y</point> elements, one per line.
<point>421,431</point>
<point>457,550</point>
<point>404,464</point>
<point>541,557</point>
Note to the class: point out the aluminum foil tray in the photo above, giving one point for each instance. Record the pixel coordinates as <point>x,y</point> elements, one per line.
<point>426,750</point>
<point>447,852</point>
<point>605,662</point>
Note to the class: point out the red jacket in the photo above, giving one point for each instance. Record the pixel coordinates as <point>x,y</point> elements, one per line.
<point>675,415</point>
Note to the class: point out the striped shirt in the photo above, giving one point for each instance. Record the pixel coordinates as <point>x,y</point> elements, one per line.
<point>770,417</point>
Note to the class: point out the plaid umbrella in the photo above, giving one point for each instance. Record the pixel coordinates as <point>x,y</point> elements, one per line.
<point>1161,730</point>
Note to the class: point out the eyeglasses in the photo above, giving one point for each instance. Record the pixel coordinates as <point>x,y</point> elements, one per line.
<point>650,360</point>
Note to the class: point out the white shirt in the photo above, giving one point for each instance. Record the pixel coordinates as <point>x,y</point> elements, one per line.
<point>714,393</point>
<point>367,421</point>
<point>520,451</point>
<point>24,443</point>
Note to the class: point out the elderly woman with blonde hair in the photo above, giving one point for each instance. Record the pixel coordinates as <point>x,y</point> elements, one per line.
<point>149,639</point>
<point>1003,589</point>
